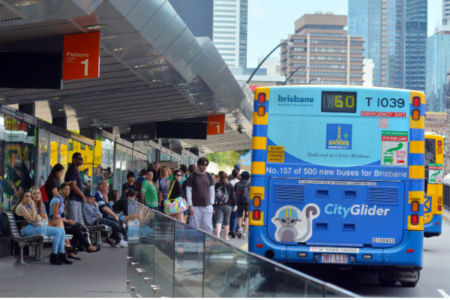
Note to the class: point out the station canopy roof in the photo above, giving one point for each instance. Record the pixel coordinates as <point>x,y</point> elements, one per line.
<point>152,68</point>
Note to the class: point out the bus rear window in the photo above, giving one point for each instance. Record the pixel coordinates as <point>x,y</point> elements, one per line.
<point>430,151</point>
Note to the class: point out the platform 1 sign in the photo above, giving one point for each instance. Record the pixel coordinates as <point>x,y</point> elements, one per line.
<point>216,124</point>
<point>81,56</point>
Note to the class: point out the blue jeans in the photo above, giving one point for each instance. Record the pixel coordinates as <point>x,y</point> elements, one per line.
<point>233,221</point>
<point>57,233</point>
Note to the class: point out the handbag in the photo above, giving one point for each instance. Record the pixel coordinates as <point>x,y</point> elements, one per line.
<point>174,205</point>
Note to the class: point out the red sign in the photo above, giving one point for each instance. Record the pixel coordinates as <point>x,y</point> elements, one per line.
<point>390,138</point>
<point>216,124</point>
<point>386,114</point>
<point>81,56</point>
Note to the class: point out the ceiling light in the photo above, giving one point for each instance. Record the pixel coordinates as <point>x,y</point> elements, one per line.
<point>117,49</point>
<point>95,27</point>
<point>108,37</point>
<point>60,109</point>
<point>24,3</point>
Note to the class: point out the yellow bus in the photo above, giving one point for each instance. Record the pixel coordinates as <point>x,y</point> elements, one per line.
<point>434,169</point>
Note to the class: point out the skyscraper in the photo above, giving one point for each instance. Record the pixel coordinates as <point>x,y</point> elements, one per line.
<point>438,66</point>
<point>230,31</point>
<point>322,51</point>
<point>445,12</point>
<point>395,32</point>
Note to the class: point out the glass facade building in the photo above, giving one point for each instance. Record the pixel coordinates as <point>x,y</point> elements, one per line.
<point>230,31</point>
<point>438,66</point>
<point>395,32</point>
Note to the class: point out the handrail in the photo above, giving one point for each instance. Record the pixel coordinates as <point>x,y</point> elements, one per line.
<point>326,287</point>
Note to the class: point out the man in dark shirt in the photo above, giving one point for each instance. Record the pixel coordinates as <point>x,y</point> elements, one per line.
<point>200,196</point>
<point>76,196</point>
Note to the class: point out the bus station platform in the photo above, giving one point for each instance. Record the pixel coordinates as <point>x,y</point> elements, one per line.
<point>164,258</point>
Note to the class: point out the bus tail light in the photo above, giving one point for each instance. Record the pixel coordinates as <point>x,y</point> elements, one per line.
<point>439,150</point>
<point>439,200</point>
<point>415,219</point>
<point>256,201</point>
<point>410,250</point>
<point>261,98</point>
<point>415,114</point>
<point>261,110</point>
<point>439,143</point>
<point>415,206</point>
<point>439,207</point>
<point>416,101</point>
<point>256,214</point>
<point>259,245</point>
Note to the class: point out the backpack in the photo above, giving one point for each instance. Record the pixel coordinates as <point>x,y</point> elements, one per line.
<point>242,191</point>
<point>221,195</point>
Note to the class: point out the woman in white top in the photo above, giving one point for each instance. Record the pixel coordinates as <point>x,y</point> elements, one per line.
<point>36,216</point>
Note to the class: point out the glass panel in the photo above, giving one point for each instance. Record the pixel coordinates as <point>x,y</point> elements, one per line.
<point>18,159</point>
<point>226,270</point>
<point>188,281</point>
<point>175,260</point>
<point>43,166</point>
<point>164,254</point>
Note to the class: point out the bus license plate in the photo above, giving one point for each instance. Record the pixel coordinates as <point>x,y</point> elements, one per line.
<point>334,258</point>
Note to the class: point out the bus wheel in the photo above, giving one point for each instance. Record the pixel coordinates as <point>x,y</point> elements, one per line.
<point>386,279</point>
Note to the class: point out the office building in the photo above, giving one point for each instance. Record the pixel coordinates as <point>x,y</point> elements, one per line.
<point>445,12</point>
<point>230,31</point>
<point>322,51</point>
<point>395,32</point>
<point>438,66</point>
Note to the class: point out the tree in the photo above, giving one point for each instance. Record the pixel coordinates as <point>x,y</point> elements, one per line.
<point>227,158</point>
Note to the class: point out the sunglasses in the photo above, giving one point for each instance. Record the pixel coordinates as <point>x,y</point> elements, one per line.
<point>178,175</point>
<point>205,164</point>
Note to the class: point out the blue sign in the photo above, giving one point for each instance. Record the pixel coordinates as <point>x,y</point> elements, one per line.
<point>339,136</point>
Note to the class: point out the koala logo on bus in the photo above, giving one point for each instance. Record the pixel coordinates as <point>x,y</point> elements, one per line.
<point>293,224</point>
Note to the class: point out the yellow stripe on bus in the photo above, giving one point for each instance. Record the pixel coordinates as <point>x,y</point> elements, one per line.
<point>413,94</point>
<point>415,196</point>
<point>259,90</point>
<point>416,172</point>
<point>418,227</point>
<point>419,124</point>
<point>417,147</point>
<point>259,143</point>
<point>258,120</point>
<point>257,191</point>
<point>258,168</point>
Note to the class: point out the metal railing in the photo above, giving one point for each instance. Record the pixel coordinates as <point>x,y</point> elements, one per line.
<point>167,258</point>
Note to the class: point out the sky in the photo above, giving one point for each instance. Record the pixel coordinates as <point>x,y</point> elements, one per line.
<point>269,21</point>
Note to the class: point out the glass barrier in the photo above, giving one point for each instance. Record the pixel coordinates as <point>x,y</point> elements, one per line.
<point>167,258</point>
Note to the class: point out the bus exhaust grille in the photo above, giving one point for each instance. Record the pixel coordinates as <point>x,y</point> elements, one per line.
<point>289,193</point>
<point>384,195</point>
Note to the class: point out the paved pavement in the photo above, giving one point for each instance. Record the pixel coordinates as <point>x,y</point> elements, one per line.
<point>100,274</point>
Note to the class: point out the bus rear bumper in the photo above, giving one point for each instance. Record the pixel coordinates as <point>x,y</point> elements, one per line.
<point>408,254</point>
<point>434,227</point>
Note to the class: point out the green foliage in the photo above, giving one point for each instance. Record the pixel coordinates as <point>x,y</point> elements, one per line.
<point>228,158</point>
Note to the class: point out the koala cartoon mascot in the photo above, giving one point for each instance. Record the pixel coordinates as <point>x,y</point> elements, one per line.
<point>293,224</point>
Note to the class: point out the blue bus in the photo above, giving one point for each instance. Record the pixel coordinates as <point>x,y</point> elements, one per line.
<point>338,178</point>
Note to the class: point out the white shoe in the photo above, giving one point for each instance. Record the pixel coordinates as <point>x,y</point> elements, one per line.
<point>122,244</point>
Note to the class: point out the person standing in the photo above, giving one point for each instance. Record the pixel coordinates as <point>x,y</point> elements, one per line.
<point>130,184</point>
<point>242,191</point>
<point>200,196</point>
<point>76,196</point>
<point>224,204</point>
<point>234,214</point>
<point>149,193</point>
<point>176,191</point>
